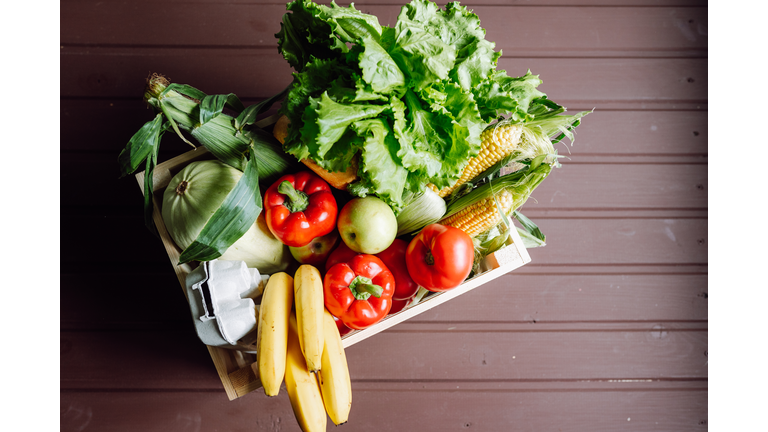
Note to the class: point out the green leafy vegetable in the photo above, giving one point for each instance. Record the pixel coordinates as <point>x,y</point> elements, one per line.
<point>411,99</point>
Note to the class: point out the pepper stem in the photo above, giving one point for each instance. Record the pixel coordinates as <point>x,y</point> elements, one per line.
<point>296,200</point>
<point>363,288</point>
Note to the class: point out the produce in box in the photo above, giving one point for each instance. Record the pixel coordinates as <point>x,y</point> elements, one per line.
<point>440,257</point>
<point>359,291</point>
<point>335,383</point>
<point>192,199</point>
<point>300,207</point>
<point>308,296</point>
<point>367,225</point>
<point>317,251</point>
<point>394,258</point>
<point>272,332</point>
<point>415,118</point>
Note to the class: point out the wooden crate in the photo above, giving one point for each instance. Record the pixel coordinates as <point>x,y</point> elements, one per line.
<point>237,369</point>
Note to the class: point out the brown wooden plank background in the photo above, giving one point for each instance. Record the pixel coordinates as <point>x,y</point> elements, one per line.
<point>607,328</point>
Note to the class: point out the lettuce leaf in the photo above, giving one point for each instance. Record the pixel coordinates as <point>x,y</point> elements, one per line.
<point>422,55</point>
<point>383,171</point>
<point>501,94</point>
<point>409,101</point>
<point>303,35</point>
<point>349,24</point>
<point>317,77</point>
<point>380,70</point>
<point>426,139</point>
<point>459,28</point>
<point>326,121</point>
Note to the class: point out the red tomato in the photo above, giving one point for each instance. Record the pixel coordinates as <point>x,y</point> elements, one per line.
<point>440,257</point>
<point>398,305</point>
<point>394,258</point>
<point>342,253</point>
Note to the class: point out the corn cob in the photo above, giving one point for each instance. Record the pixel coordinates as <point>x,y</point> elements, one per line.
<point>482,215</point>
<point>520,145</point>
<point>498,142</point>
<point>226,137</point>
<point>477,212</point>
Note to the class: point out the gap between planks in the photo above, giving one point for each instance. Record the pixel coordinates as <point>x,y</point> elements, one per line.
<point>573,106</point>
<point>658,269</point>
<point>475,386</point>
<point>548,53</point>
<point>415,325</point>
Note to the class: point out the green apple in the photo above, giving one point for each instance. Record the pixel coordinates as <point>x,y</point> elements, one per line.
<point>367,225</point>
<point>316,252</point>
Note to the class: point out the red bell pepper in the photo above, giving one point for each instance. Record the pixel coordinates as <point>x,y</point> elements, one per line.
<point>300,207</point>
<point>394,258</point>
<point>359,291</point>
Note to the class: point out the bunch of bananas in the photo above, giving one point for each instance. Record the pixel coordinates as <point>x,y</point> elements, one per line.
<point>302,344</point>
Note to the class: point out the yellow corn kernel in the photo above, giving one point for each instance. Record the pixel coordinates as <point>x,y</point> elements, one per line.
<point>497,143</point>
<point>482,215</point>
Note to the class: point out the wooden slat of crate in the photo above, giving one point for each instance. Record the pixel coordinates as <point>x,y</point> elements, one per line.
<point>237,369</point>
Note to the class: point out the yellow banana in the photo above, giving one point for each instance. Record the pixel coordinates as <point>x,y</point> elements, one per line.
<point>302,386</point>
<point>272,333</point>
<point>308,295</point>
<point>334,374</point>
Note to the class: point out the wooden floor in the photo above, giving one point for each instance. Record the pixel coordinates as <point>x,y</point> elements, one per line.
<point>606,329</point>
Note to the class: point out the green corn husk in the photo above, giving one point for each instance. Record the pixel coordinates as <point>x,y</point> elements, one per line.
<point>224,136</point>
<point>529,168</point>
<point>236,141</point>
<point>419,210</point>
<point>496,238</point>
<point>530,233</point>
<point>521,183</point>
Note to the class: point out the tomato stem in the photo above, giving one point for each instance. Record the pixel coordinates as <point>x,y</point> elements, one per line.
<point>296,200</point>
<point>430,259</point>
<point>363,288</point>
